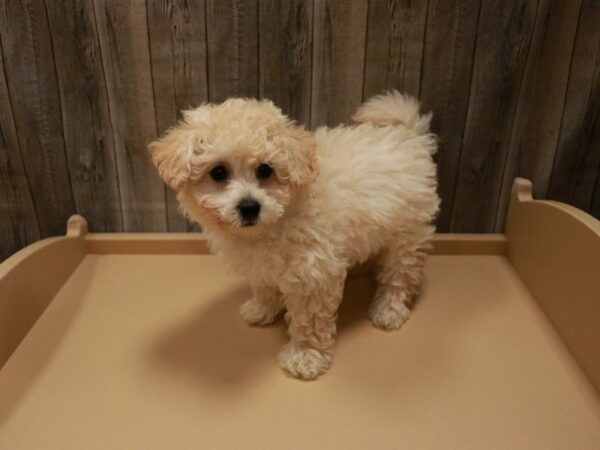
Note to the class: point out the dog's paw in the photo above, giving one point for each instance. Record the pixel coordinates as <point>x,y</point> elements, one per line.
<point>304,363</point>
<point>388,315</point>
<point>257,312</point>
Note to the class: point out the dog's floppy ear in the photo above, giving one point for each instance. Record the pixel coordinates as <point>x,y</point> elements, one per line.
<point>301,151</point>
<point>171,154</point>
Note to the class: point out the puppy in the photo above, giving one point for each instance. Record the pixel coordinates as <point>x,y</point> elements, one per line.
<point>294,210</point>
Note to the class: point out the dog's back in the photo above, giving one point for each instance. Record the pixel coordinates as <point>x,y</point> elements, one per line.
<point>379,175</point>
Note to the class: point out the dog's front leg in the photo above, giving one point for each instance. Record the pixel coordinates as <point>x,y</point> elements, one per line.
<point>312,328</point>
<point>264,306</point>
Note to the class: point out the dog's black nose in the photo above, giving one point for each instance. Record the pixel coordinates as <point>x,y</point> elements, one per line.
<point>249,210</point>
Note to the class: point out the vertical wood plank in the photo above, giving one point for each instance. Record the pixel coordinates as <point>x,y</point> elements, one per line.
<point>123,32</point>
<point>177,33</point>
<point>232,37</point>
<point>394,47</point>
<point>541,100</point>
<point>285,47</point>
<point>31,80</point>
<point>503,38</point>
<point>87,128</point>
<point>595,207</point>
<point>339,33</point>
<point>18,221</point>
<point>446,81</point>
<point>574,176</point>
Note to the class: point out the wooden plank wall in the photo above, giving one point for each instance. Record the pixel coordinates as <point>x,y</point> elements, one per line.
<point>85,85</point>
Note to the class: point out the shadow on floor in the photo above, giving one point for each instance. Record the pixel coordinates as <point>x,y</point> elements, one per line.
<point>215,346</point>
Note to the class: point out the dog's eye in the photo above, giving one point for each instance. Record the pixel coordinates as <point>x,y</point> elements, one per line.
<point>219,173</point>
<point>263,171</point>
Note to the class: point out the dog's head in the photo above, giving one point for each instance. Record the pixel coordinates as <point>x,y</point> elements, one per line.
<point>236,166</point>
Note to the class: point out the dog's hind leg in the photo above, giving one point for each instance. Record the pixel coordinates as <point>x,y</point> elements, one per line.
<point>399,279</point>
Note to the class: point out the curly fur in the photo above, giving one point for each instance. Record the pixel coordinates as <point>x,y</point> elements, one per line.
<point>336,198</point>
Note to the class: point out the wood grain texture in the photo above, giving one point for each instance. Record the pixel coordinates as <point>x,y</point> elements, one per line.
<point>514,86</point>
<point>177,33</point>
<point>503,37</point>
<point>575,173</point>
<point>232,37</point>
<point>285,47</point>
<point>394,48</point>
<point>88,131</point>
<point>31,79</point>
<point>445,85</point>
<point>123,32</point>
<point>339,32</point>
<point>18,222</point>
<point>541,100</point>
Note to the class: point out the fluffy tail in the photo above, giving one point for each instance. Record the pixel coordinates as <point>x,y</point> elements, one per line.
<point>393,108</point>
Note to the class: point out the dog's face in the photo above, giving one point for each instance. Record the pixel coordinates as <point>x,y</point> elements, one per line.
<point>236,166</point>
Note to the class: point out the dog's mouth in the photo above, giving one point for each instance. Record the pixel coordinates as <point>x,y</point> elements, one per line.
<point>248,223</point>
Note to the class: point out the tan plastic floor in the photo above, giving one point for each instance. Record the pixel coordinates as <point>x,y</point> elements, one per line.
<point>148,352</point>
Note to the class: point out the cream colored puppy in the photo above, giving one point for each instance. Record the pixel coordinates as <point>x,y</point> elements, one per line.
<point>293,211</point>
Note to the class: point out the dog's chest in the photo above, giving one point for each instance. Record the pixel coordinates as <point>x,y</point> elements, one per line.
<point>258,264</point>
